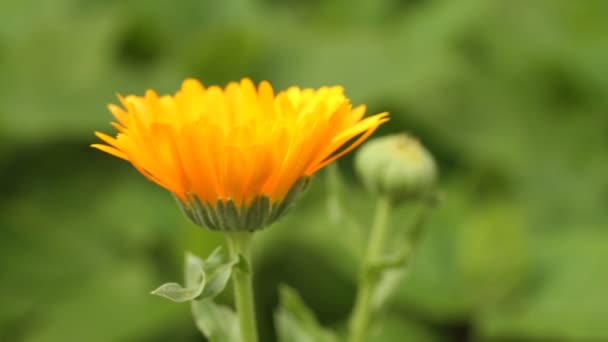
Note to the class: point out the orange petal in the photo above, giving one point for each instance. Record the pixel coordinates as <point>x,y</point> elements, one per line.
<point>110,150</point>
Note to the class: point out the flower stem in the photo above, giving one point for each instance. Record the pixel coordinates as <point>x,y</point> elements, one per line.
<point>240,246</point>
<point>367,281</point>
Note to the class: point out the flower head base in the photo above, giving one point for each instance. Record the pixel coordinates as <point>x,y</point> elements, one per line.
<point>225,151</point>
<point>227,217</point>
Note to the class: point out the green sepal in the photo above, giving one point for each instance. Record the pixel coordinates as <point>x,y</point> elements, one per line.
<point>280,208</point>
<point>297,323</point>
<point>203,278</point>
<point>228,216</point>
<point>218,323</point>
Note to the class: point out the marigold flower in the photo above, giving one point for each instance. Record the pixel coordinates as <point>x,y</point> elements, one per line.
<point>236,157</point>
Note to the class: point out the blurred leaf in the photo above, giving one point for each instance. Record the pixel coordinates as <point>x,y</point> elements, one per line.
<point>217,269</point>
<point>217,322</point>
<point>390,262</point>
<point>177,293</point>
<point>204,279</point>
<point>566,300</point>
<point>296,323</point>
<point>492,255</point>
<point>395,328</point>
<point>510,96</point>
<point>387,287</point>
<point>194,276</point>
<point>106,303</point>
<point>434,285</point>
<point>338,210</point>
<point>390,270</point>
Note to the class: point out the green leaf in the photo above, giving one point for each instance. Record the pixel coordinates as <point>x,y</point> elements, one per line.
<point>568,302</point>
<point>217,322</point>
<point>204,279</point>
<point>193,269</point>
<point>396,328</point>
<point>391,271</point>
<point>297,323</point>
<point>392,262</point>
<point>217,269</point>
<point>387,287</point>
<point>179,294</point>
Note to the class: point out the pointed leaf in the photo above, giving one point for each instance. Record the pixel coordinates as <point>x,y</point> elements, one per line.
<point>390,271</point>
<point>217,269</point>
<point>179,294</point>
<point>387,287</point>
<point>193,267</point>
<point>203,278</point>
<point>393,262</point>
<point>297,323</point>
<point>217,322</point>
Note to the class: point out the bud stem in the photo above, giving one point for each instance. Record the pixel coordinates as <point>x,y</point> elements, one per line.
<point>361,312</point>
<point>239,245</point>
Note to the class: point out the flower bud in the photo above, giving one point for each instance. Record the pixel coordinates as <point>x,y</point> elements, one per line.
<point>397,166</point>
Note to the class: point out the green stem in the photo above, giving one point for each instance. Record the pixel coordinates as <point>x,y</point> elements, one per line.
<point>362,310</point>
<point>240,246</point>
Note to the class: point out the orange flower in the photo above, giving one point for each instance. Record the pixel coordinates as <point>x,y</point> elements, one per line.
<point>238,145</point>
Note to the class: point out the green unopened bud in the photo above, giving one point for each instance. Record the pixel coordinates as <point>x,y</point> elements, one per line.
<point>397,166</point>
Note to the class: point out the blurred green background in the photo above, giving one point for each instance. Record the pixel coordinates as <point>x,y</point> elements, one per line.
<point>510,96</point>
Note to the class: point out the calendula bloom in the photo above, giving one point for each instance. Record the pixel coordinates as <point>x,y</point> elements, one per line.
<point>236,157</point>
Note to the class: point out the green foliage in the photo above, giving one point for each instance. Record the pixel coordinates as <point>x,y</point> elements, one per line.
<point>510,97</point>
<point>296,323</point>
<point>204,279</point>
<point>217,322</point>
